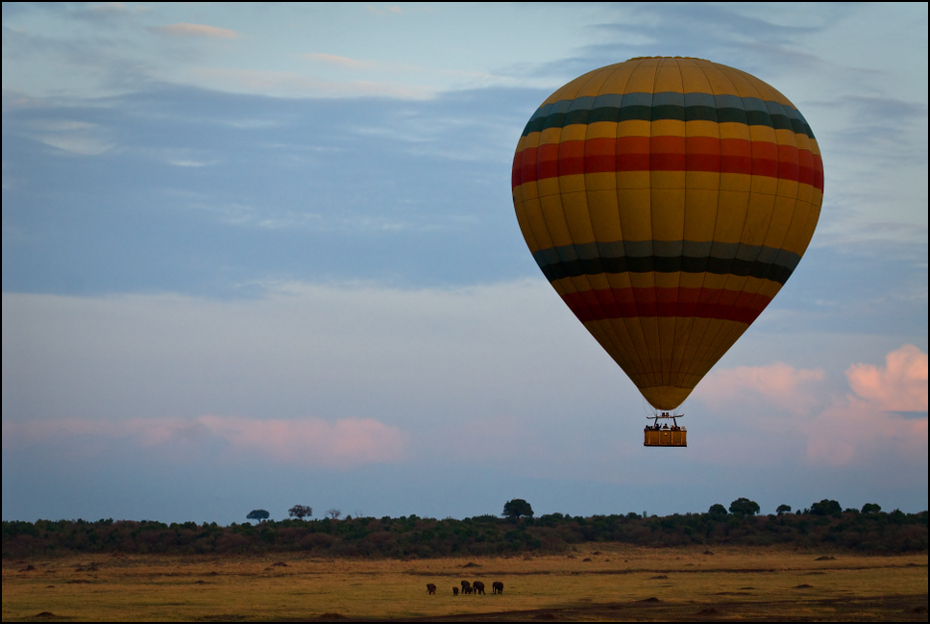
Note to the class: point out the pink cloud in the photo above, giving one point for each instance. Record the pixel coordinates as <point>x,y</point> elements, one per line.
<point>839,430</point>
<point>196,30</point>
<point>900,386</point>
<point>346,442</point>
<point>778,383</point>
<point>854,430</point>
<point>301,441</point>
<point>859,426</point>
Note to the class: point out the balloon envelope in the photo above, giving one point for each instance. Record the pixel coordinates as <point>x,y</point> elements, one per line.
<point>667,200</point>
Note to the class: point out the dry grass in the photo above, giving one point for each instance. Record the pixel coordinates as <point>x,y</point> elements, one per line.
<point>602,583</point>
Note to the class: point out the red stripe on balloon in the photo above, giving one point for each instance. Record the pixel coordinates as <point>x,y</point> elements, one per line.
<point>716,303</point>
<point>668,153</point>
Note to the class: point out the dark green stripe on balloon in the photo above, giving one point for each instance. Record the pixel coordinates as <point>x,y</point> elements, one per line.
<point>667,257</point>
<point>616,108</point>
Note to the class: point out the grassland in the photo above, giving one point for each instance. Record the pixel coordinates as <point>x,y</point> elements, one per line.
<point>597,582</point>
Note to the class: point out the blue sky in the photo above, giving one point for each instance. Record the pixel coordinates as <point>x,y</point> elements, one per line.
<point>261,255</point>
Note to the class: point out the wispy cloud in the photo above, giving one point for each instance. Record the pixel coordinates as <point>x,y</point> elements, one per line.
<point>343,62</point>
<point>384,10</point>
<point>312,441</point>
<point>184,29</point>
<point>295,84</point>
<point>299,441</point>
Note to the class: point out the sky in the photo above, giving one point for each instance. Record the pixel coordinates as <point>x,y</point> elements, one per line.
<point>259,255</point>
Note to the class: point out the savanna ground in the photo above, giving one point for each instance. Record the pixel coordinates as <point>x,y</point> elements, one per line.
<point>597,582</point>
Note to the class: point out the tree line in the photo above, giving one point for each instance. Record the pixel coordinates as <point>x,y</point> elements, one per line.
<point>822,526</point>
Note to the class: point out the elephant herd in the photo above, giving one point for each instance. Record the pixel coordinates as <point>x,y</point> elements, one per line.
<point>470,588</point>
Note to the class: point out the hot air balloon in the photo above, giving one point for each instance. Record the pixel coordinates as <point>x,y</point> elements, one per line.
<point>667,201</point>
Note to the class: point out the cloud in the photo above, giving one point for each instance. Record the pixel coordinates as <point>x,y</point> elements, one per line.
<point>884,416</point>
<point>856,431</point>
<point>865,425</point>
<point>304,441</point>
<point>184,29</point>
<point>312,441</point>
<point>343,62</point>
<point>396,10</point>
<point>290,84</point>
<point>432,362</point>
<point>899,387</point>
<point>108,6</point>
<point>778,383</point>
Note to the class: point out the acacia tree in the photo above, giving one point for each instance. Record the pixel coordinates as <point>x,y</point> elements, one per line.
<point>783,509</point>
<point>516,508</point>
<point>717,510</point>
<point>258,514</point>
<point>744,507</point>
<point>300,511</point>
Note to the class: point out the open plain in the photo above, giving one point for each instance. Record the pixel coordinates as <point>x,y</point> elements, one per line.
<point>597,582</point>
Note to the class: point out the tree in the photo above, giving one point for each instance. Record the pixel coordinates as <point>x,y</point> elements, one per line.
<point>871,508</point>
<point>516,508</point>
<point>334,513</point>
<point>744,507</point>
<point>299,511</point>
<point>783,509</point>
<point>826,508</point>
<point>258,514</point>
<point>717,510</point>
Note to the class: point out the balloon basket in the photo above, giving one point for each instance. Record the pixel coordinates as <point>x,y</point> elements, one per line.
<point>665,437</point>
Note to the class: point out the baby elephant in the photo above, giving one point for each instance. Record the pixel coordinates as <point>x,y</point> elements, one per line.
<point>430,588</point>
<point>497,587</point>
<point>478,587</point>
<point>455,590</point>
